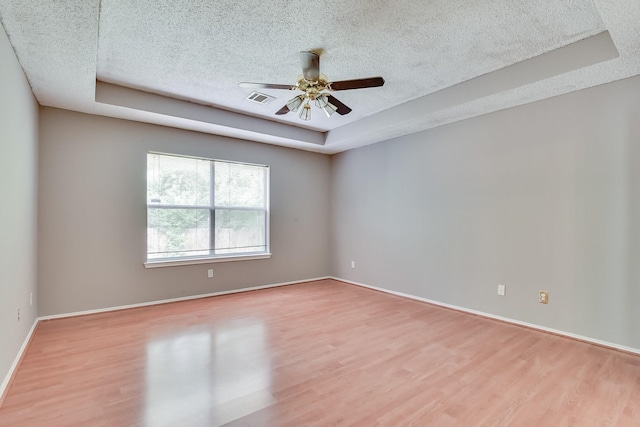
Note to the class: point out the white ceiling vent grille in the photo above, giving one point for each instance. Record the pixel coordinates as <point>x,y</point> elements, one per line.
<point>260,98</point>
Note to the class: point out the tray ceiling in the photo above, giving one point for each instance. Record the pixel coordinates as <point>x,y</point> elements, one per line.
<point>179,62</point>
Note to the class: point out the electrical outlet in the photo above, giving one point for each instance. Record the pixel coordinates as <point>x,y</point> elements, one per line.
<point>543,297</point>
<point>210,273</point>
<point>18,315</point>
<point>502,290</point>
<point>353,264</point>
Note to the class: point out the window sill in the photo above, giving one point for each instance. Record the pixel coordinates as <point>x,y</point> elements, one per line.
<point>177,262</point>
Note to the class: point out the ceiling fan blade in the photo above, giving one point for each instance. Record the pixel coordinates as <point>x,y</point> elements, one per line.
<point>310,62</point>
<point>341,108</point>
<point>283,110</point>
<point>357,83</point>
<point>266,86</point>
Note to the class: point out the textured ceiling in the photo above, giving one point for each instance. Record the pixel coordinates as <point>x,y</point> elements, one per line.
<point>442,60</point>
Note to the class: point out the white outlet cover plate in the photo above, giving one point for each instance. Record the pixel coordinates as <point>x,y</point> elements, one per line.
<point>501,289</point>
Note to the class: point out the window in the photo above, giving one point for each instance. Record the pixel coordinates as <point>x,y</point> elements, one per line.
<point>201,210</point>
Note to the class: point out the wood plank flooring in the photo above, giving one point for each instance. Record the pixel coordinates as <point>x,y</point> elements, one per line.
<point>322,353</point>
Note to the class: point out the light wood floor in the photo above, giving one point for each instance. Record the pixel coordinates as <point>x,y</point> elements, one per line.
<point>316,354</point>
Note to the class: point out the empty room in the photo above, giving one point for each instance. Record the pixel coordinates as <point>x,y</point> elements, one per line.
<point>281,213</point>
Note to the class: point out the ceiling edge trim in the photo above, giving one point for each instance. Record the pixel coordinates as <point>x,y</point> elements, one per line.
<point>246,126</point>
<point>589,51</point>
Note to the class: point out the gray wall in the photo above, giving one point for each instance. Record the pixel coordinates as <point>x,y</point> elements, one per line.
<point>543,196</point>
<point>92,214</point>
<point>18,198</point>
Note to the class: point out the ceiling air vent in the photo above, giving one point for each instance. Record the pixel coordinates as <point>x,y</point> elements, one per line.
<point>260,98</point>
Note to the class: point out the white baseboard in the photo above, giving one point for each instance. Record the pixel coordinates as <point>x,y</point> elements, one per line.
<point>500,318</point>
<point>16,361</point>
<point>166,301</point>
<point>14,366</point>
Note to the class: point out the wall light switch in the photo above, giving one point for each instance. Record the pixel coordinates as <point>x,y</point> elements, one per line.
<point>210,273</point>
<point>502,289</point>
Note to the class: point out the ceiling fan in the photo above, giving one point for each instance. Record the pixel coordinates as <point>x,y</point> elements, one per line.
<point>315,87</point>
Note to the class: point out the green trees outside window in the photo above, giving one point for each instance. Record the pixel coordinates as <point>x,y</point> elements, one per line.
<point>205,208</point>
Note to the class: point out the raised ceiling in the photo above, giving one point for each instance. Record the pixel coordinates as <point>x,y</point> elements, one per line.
<point>178,62</point>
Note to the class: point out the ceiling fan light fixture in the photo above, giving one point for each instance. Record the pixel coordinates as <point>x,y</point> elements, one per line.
<point>323,102</point>
<point>329,109</point>
<point>295,103</point>
<point>305,113</point>
<point>313,84</point>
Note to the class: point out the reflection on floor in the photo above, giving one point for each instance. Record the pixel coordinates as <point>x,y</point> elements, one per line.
<point>322,353</point>
<point>208,377</point>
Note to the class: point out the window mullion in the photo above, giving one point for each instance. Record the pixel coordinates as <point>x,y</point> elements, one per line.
<point>212,210</point>
<point>265,206</point>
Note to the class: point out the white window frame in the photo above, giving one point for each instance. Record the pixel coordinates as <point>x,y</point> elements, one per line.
<point>210,258</point>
